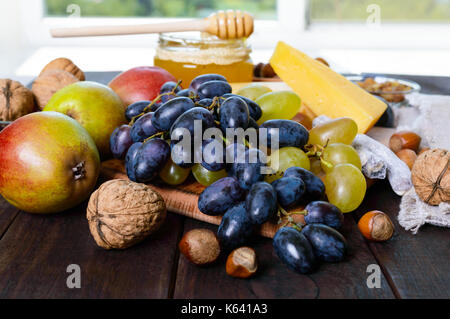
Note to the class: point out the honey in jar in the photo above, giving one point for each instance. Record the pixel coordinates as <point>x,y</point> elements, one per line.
<point>188,55</point>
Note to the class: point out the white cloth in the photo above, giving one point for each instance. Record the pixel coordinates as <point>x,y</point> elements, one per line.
<point>428,116</point>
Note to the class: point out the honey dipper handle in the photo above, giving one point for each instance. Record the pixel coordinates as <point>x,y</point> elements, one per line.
<point>91,31</point>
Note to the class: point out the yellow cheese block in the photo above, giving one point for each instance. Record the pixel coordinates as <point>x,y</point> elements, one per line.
<point>324,91</point>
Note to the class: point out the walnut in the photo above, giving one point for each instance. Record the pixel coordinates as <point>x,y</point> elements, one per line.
<point>50,82</point>
<point>15,100</point>
<point>122,213</point>
<point>431,176</point>
<point>65,64</point>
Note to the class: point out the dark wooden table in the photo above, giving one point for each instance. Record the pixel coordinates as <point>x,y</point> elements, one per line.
<point>35,252</point>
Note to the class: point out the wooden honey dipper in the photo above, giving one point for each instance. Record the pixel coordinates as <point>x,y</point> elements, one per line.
<point>230,24</point>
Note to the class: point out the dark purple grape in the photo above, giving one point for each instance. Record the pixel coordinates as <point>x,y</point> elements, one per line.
<point>290,133</point>
<point>261,203</point>
<point>315,188</point>
<point>321,212</point>
<point>253,108</point>
<point>328,244</point>
<point>234,114</point>
<point>294,250</point>
<point>168,113</point>
<point>217,198</point>
<point>187,93</point>
<point>234,153</point>
<point>150,159</point>
<point>205,102</point>
<point>167,88</point>
<point>235,229</point>
<point>249,171</point>
<point>156,106</point>
<point>182,155</point>
<point>120,141</point>
<point>186,121</point>
<point>290,191</point>
<point>130,161</point>
<point>212,89</point>
<point>143,128</point>
<point>136,109</point>
<point>199,80</point>
<point>212,155</point>
<point>252,123</point>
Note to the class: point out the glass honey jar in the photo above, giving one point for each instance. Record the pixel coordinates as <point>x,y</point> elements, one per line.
<point>188,55</point>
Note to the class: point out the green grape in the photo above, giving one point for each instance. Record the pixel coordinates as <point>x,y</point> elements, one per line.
<point>345,187</point>
<point>173,174</point>
<point>339,153</point>
<point>278,105</point>
<point>286,157</point>
<point>205,177</point>
<point>253,91</point>
<point>315,165</point>
<point>341,130</point>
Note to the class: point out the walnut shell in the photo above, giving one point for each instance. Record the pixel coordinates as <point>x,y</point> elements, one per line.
<point>122,213</point>
<point>431,176</point>
<point>50,82</point>
<point>67,65</point>
<point>15,100</point>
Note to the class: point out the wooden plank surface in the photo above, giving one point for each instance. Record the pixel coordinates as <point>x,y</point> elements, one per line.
<point>7,215</point>
<point>418,266</point>
<point>274,280</point>
<point>36,251</point>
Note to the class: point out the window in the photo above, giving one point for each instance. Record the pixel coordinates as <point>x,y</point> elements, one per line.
<point>262,9</point>
<point>390,10</point>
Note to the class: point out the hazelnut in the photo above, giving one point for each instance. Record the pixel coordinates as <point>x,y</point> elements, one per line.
<point>241,263</point>
<point>404,140</point>
<point>267,71</point>
<point>15,100</point>
<point>64,64</point>
<point>323,61</point>
<point>257,70</point>
<point>122,213</point>
<point>200,246</point>
<point>50,82</point>
<point>376,226</point>
<point>303,119</point>
<point>408,156</point>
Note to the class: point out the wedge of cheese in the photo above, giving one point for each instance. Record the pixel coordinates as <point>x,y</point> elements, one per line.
<point>324,91</point>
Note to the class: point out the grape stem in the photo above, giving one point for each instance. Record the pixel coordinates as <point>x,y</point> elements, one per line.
<point>290,220</point>
<point>316,150</point>
<point>149,107</point>
<point>153,136</point>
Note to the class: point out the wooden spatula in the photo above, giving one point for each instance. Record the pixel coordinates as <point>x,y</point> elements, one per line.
<point>230,24</point>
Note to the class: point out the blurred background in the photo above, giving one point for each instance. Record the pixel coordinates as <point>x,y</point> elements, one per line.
<point>382,36</point>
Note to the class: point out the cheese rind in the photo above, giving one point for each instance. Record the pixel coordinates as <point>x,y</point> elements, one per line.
<point>324,91</point>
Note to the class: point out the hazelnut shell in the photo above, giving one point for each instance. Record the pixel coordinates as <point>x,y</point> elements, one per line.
<point>376,226</point>
<point>404,140</point>
<point>242,263</point>
<point>200,246</point>
<point>408,156</point>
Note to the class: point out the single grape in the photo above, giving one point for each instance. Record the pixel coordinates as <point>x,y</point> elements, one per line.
<point>278,105</point>
<point>169,87</point>
<point>199,80</point>
<point>217,198</point>
<point>212,89</point>
<point>212,155</point>
<point>143,128</point>
<point>150,159</point>
<point>345,187</point>
<point>205,177</point>
<point>205,102</point>
<point>320,212</point>
<point>252,123</point>
<point>187,93</point>
<point>173,174</point>
<point>339,153</point>
<point>315,189</point>
<point>234,153</point>
<point>315,166</point>
<point>253,91</point>
<point>186,121</point>
<point>156,106</point>
<point>130,160</point>
<point>290,133</point>
<point>181,154</point>
<point>249,171</point>
<point>294,250</point>
<point>234,114</point>
<point>136,109</point>
<point>290,191</point>
<point>342,130</point>
<point>120,141</point>
<point>235,229</point>
<point>261,203</point>
<point>253,108</point>
<point>328,244</point>
<point>283,158</point>
<point>167,114</point>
